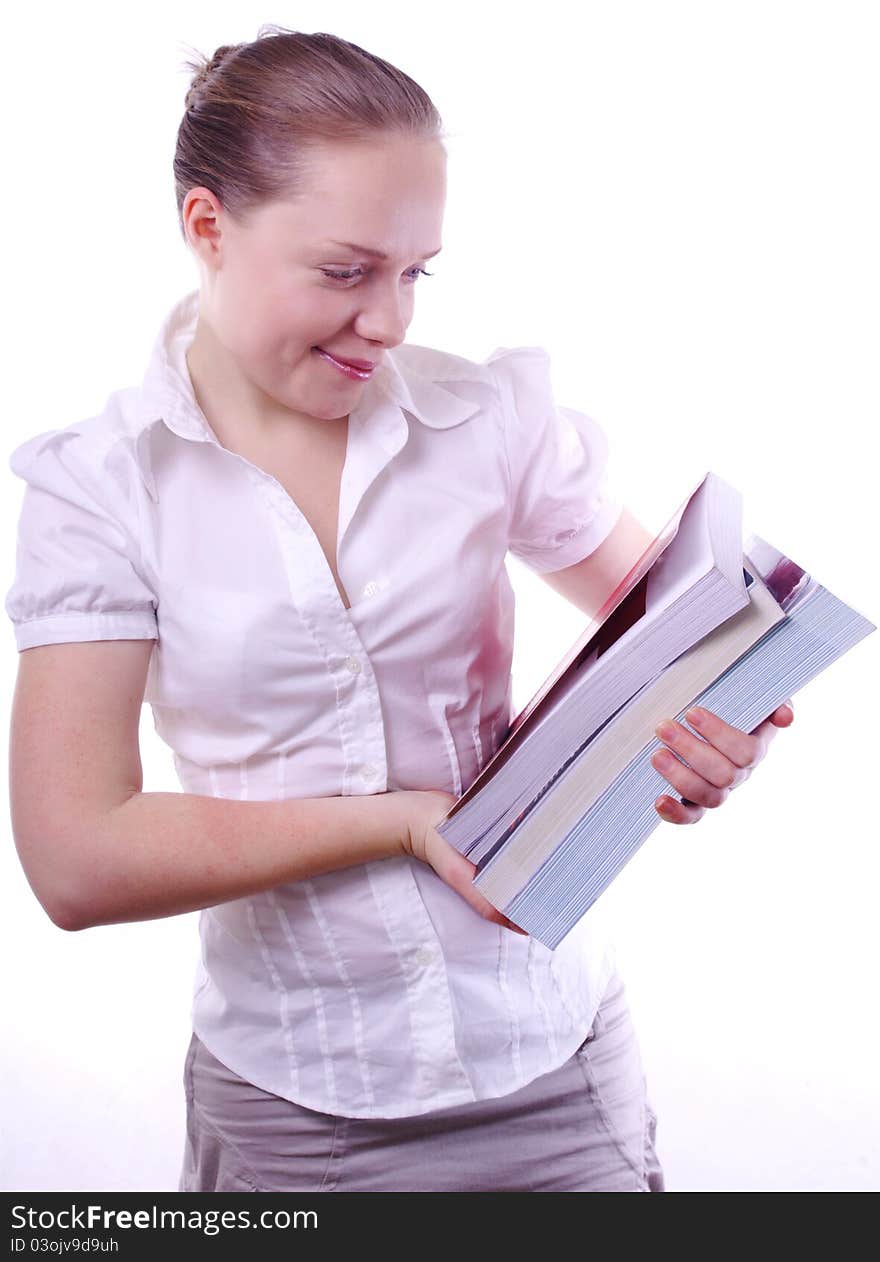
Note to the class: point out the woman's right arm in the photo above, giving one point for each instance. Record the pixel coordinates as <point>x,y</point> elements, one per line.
<point>97,850</point>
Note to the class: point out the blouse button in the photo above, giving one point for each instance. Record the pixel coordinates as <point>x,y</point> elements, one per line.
<point>368,771</point>
<point>371,589</point>
<point>353,664</point>
<point>424,956</point>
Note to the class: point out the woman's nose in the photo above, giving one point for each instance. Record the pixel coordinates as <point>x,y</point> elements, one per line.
<point>385,317</point>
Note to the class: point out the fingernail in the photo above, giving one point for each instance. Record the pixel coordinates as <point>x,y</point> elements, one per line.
<point>666,731</point>
<point>696,717</point>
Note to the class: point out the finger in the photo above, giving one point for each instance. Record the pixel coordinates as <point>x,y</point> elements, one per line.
<point>705,759</point>
<point>735,744</point>
<point>688,782</point>
<point>782,716</point>
<point>765,733</point>
<point>674,812</point>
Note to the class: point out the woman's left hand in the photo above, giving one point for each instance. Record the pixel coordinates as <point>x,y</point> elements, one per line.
<point>718,760</point>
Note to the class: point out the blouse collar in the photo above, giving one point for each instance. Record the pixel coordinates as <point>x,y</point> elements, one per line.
<point>167,392</point>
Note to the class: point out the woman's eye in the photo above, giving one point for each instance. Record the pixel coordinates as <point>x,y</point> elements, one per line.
<point>351,273</point>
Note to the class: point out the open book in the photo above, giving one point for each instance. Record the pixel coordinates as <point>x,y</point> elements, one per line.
<point>553,851</point>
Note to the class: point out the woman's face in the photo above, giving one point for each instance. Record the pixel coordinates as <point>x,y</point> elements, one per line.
<point>268,295</point>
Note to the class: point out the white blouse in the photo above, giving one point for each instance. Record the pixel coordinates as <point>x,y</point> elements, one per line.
<point>374,990</point>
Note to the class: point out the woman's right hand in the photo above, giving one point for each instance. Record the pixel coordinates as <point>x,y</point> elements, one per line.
<point>424,809</point>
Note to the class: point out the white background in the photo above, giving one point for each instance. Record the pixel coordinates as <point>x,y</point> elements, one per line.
<point>680,202</point>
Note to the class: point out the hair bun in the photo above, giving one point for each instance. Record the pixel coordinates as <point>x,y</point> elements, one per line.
<point>204,69</point>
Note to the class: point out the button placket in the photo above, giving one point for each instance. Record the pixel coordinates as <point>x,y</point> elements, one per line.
<point>432,1017</point>
<point>313,591</point>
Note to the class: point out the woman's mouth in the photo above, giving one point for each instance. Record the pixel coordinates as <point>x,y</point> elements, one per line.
<point>348,370</point>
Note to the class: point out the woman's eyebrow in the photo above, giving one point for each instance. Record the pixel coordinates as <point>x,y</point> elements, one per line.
<point>377,254</point>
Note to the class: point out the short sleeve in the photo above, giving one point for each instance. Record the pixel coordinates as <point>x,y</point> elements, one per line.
<point>562,506</point>
<point>77,571</point>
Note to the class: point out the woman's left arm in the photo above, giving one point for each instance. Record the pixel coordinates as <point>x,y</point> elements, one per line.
<point>720,757</point>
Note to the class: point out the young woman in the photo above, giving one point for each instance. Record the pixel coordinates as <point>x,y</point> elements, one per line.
<point>290,541</point>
